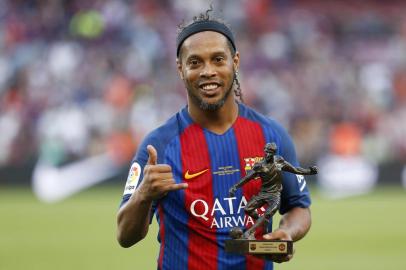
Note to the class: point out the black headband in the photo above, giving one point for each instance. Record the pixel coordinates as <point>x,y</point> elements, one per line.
<point>201,26</point>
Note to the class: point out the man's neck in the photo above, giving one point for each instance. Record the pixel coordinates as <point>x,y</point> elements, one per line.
<point>218,121</point>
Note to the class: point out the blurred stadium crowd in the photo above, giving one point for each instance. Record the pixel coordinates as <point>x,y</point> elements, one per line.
<point>78,78</point>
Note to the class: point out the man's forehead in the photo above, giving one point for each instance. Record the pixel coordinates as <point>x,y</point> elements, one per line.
<point>205,40</point>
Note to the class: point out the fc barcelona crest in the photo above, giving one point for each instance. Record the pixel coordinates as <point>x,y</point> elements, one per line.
<point>250,161</point>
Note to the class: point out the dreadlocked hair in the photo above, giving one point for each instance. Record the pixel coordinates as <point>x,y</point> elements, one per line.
<point>237,89</point>
<point>201,17</point>
<point>206,16</point>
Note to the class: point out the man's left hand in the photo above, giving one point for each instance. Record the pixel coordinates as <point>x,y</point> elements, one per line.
<point>313,170</point>
<point>278,234</point>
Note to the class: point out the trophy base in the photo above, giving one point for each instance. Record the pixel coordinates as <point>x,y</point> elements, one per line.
<point>264,247</point>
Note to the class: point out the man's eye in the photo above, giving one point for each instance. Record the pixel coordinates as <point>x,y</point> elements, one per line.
<point>194,62</point>
<point>219,59</point>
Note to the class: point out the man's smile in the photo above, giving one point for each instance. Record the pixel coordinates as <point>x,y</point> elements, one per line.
<point>210,88</point>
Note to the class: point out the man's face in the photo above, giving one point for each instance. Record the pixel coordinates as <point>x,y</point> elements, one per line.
<point>270,151</point>
<point>207,67</point>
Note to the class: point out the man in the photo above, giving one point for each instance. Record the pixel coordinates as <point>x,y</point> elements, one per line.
<point>183,170</point>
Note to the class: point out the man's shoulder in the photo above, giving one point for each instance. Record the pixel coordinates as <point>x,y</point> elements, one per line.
<point>279,159</point>
<point>258,166</point>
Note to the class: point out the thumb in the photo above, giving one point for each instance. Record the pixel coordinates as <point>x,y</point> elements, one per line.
<point>270,236</point>
<point>152,155</point>
<point>278,234</point>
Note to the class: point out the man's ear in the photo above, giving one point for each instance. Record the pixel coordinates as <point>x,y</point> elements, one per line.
<point>179,67</point>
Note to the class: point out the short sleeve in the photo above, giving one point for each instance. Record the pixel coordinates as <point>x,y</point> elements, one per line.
<point>295,192</point>
<point>136,172</point>
<point>159,138</point>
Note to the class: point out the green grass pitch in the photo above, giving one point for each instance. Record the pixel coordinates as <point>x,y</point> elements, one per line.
<point>365,232</point>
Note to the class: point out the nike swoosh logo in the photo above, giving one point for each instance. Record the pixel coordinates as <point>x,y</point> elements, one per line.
<point>52,184</point>
<point>193,175</point>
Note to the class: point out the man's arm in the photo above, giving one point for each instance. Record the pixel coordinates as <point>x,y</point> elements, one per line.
<point>293,225</point>
<point>133,218</point>
<point>296,222</point>
<point>287,167</point>
<point>245,179</point>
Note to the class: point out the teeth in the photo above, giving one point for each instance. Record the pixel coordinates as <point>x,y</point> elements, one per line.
<point>209,86</point>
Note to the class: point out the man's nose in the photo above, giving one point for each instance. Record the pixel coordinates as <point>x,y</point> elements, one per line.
<point>208,71</point>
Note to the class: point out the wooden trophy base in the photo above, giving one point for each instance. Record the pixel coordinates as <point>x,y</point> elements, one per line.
<point>263,247</point>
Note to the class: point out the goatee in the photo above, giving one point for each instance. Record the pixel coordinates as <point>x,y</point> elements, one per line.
<point>206,106</point>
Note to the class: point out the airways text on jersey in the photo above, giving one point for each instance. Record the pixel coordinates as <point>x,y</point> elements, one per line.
<point>227,212</point>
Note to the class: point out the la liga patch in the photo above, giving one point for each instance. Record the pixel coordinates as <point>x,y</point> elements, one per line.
<point>132,179</point>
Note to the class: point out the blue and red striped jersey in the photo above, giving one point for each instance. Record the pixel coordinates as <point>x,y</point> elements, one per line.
<point>194,223</point>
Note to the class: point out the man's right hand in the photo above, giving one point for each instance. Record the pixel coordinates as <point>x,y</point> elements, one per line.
<point>232,191</point>
<point>158,178</point>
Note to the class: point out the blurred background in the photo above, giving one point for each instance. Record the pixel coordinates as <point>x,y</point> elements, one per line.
<point>82,82</point>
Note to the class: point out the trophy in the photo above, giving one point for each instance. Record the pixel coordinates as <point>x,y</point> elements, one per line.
<point>270,171</point>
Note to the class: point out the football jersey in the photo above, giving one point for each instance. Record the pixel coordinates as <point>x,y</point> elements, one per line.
<point>195,222</point>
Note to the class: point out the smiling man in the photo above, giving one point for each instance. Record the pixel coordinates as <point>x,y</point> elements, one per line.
<point>184,169</point>
<point>208,69</point>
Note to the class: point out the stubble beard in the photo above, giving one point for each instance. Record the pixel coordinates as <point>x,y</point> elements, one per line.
<point>206,106</point>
